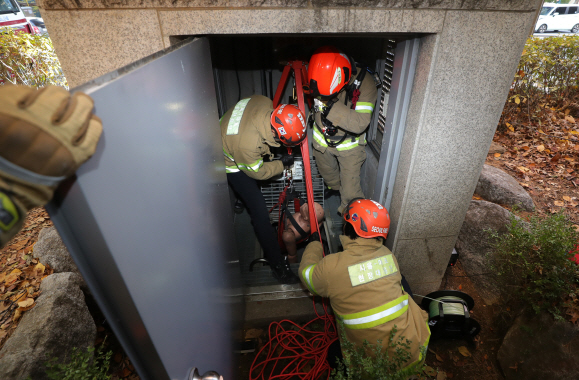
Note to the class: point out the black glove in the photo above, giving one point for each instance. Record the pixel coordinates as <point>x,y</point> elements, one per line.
<point>314,237</point>
<point>287,160</point>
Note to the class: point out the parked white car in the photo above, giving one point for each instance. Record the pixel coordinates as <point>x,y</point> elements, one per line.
<point>558,17</point>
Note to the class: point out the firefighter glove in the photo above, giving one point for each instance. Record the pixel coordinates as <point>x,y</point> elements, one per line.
<point>314,237</point>
<point>45,135</point>
<point>287,160</point>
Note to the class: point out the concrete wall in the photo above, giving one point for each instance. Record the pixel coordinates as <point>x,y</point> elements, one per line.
<point>467,60</point>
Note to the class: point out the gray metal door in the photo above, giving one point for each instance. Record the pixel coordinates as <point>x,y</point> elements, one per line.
<point>148,221</point>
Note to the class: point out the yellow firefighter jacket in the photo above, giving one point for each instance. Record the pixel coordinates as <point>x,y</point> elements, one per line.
<point>246,137</point>
<point>353,120</point>
<point>364,286</point>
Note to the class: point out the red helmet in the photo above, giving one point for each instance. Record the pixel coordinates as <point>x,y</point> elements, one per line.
<point>329,71</point>
<point>289,123</point>
<point>369,218</point>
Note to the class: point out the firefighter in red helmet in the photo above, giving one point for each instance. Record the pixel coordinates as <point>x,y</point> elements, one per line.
<point>248,130</point>
<point>344,95</point>
<point>363,282</point>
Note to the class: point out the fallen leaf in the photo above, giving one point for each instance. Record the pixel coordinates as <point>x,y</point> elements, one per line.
<point>556,158</point>
<point>559,203</point>
<point>541,148</point>
<point>2,277</point>
<point>523,169</point>
<point>497,154</point>
<point>570,118</point>
<point>464,351</point>
<point>26,303</point>
<point>515,367</point>
<point>441,376</point>
<point>460,287</point>
<point>13,276</point>
<point>429,371</point>
<point>450,375</point>
<point>568,199</point>
<point>39,268</point>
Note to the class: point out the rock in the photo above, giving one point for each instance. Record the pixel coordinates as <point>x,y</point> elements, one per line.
<point>51,250</point>
<point>496,186</point>
<point>538,347</point>
<point>496,148</point>
<point>59,321</point>
<point>474,245</point>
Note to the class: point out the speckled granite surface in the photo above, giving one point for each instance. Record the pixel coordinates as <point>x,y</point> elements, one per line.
<point>509,5</point>
<point>300,21</point>
<point>92,43</point>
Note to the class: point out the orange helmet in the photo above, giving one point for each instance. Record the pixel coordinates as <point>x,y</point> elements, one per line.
<point>369,218</point>
<point>329,71</point>
<point>289,123</point>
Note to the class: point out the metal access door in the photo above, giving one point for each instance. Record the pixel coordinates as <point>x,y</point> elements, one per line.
<point>148,221</point>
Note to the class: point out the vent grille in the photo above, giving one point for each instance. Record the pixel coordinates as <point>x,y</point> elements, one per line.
<point>386,82</point>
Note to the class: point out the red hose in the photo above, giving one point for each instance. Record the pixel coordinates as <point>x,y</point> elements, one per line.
<point>295,351</point>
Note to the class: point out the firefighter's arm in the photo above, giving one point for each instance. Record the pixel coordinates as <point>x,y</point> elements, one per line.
<point>356,120</point>
<point>45,135</point>
<point>252,164</point>
<point>312,271</point>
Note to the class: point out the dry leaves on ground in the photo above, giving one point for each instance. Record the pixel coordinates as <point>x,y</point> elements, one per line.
<point>20,273</point>
<point>543,155</point>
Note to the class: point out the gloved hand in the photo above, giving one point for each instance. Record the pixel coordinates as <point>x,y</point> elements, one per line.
<point>314,237</point>
<point>45,135</point>
<point>287,160</point>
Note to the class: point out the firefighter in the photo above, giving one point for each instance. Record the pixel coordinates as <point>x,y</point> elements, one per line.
<point>248,130</point>
<point>297,228</point>
<point>45,135</point>
<point>344,97</point>
<point>364,284</point>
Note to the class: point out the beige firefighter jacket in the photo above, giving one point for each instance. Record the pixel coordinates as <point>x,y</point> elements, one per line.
<point>353,120</point>
<point>246,136</point>
<point>364,286</point>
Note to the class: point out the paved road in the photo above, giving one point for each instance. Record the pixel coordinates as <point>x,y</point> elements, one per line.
<point>551,34</point>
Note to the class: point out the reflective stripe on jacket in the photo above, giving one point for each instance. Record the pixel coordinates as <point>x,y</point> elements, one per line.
<point>353,120</point>
<point>364,286</point>
<point>246,137</point>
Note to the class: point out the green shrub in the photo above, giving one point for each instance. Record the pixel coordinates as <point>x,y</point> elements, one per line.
<point>358,364</point>
<point>532,263</point>
<point>84,364</point>
<point>29,59</point>
<point>547,70</point>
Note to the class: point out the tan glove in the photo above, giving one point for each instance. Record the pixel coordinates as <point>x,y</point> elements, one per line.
<point>45,135</point>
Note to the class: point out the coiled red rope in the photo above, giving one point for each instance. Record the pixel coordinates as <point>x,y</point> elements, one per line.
<point>295,351</point>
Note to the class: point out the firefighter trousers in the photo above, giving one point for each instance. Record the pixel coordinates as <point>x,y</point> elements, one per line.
<point>341,171</point>
<point>248,191</point>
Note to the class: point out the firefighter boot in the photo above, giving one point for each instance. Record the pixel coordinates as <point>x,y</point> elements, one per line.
<point>283,273</point>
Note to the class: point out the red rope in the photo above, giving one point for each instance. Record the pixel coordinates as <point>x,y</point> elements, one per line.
<point>299,349</point>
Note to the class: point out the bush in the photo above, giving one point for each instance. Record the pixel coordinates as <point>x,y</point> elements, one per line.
<point>380,364</point>
<point>86,365</point>
<point>29,59</point>
<point>532,263</point>
<point>548,69</point>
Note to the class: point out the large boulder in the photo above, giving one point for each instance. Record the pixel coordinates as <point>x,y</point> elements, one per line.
<point>59,321</point>
<point>538,348</point>
<point>496,186</point>
<point>51,250</point>
<point>474,245</point>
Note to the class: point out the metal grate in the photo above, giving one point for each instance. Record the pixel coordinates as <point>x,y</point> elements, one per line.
<point>271,190</point>
<point>386,82</point>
